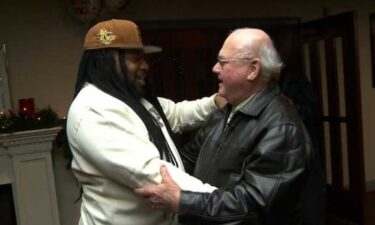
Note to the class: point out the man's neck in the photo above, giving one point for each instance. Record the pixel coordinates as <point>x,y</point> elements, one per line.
<point>253,92</point>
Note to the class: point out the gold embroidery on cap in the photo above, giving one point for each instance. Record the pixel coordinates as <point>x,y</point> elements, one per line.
<point>106,37</point>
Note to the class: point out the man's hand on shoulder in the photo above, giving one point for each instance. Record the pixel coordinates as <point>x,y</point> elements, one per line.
<point>220,102</point>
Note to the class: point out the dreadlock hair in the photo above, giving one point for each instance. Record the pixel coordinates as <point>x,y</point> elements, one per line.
<point>98,67</point>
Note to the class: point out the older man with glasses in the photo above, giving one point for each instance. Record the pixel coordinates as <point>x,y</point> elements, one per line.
<point>258,152</point>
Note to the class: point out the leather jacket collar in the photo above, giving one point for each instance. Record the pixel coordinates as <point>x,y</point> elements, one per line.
<point>255,106</point>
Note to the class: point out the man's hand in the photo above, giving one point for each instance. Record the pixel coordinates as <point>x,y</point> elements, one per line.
<point>220,102</point>
<point>164,196</point>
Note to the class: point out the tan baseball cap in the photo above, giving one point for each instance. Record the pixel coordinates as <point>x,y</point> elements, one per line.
<point>116,33</point>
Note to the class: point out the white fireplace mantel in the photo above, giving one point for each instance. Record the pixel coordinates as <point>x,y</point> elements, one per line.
<point>25,162</point>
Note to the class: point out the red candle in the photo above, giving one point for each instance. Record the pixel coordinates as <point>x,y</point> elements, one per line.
<point>26,105</point>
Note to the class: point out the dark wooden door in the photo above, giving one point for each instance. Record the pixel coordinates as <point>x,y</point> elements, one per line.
<point>330,60</point>
<point>183,70</point>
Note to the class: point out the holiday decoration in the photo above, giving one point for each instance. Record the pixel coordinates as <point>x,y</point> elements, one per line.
<point>84,10</point>
<point>27,106</point>
<point>115,5</point>
<point>88,10</point>
<point>27,120</point>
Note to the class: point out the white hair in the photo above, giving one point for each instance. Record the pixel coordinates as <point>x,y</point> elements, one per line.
<point>270,63</point>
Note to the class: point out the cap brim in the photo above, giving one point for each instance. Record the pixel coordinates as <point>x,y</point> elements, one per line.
<point>149,49</point>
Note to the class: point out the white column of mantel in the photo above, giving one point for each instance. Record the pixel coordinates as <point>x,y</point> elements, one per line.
<point>33,184</point>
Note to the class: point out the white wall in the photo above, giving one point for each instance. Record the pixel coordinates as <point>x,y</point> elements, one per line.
<point>44,48</point>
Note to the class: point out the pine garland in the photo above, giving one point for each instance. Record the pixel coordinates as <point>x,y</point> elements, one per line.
<point>45,118</point>
<point>21,121</point>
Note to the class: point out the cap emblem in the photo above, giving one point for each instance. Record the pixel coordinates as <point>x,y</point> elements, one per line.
<point>106,37</point>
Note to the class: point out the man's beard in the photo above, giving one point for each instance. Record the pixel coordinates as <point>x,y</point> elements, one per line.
<point>130,85</point>
<point>144,91</point>
<point>141,92</point>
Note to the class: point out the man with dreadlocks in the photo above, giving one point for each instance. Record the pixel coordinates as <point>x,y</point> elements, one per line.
<point>120,134</point>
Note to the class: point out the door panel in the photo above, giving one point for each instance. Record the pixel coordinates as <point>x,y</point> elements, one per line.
<point>330,57</point>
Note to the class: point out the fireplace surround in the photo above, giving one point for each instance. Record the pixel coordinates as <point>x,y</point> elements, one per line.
<point>26,164</point>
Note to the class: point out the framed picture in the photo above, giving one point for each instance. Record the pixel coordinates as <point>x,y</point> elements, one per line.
<point>372,37</point>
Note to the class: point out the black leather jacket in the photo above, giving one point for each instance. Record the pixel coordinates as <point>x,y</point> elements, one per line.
<point>260,161</point>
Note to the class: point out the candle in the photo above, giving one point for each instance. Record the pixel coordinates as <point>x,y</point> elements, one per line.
<point>26,105</point>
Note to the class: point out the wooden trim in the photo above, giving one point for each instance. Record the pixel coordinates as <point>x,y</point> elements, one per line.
<point>372,39</point>
<point>370,208</point>
<point>230,23</point>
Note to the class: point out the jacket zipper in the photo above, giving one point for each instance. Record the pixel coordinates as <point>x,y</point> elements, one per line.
<point>227,128</point>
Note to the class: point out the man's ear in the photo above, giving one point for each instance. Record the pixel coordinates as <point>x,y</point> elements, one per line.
<point>254,69</point>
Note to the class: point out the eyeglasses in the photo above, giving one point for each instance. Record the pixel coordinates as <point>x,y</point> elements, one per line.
<point>222,62</point>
